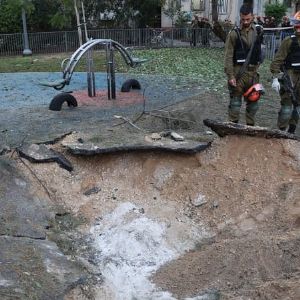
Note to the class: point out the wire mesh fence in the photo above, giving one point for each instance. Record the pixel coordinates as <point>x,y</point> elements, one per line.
<point>67,41</point>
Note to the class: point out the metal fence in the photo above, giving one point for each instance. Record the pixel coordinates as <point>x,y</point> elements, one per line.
<point>67,41</point>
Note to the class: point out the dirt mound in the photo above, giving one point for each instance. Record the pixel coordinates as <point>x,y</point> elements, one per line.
<point>221,224</point>
<point>252,191</point>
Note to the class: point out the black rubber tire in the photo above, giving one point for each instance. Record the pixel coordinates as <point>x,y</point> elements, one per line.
<point>130,84</point>
<point>58,101</point>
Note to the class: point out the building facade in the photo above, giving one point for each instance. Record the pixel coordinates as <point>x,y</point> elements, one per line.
<point>228,9</point>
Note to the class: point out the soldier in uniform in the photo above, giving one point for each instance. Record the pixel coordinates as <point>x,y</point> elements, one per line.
<point>242,60</point>
<point>288,56</point>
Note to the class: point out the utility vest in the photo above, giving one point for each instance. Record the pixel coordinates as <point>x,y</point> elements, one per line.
<point>241,49</point>
<point>293,59</point>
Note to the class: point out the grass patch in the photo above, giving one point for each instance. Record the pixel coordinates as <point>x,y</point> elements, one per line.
<point>177,61</point>
<point>203,65</point>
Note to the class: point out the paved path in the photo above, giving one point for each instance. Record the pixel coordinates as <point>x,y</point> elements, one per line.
<point>24,113</point>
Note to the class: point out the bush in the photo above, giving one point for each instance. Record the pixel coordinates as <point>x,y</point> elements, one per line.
<point>183,19</point>
<point>275,10</point>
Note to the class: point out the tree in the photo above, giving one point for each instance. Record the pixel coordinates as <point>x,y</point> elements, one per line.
<point>10,14</point>
<point>64,16</point>
<point>123,12</point>
<point>172,10</point>
<point>147,12</point>
<point>61,14</point>
<point>214,10</point>
<point>44,11</point>
<point>275,10</point>
<point>217,27</point>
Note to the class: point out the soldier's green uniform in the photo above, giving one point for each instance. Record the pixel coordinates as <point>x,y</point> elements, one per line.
<point>247,79</point>
<point>285,115</point>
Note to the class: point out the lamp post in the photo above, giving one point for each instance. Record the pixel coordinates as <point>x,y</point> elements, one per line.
<point>26,50</point>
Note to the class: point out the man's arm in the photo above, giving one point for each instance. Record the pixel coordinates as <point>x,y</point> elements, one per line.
<point>229,52</point>
<point>280,56</point>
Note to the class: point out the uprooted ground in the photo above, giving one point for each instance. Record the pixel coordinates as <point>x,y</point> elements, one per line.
<point>220,224</point>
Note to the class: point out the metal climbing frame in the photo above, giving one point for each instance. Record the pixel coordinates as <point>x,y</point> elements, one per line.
<point>68,65</point>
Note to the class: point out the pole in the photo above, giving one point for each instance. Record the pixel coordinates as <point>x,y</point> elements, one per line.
<point>26,51</point>
<point>78,23</point>
<point>84,22</point>
<point>90,62</point>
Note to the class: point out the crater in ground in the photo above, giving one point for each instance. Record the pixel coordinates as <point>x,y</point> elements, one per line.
<point>220,224</point>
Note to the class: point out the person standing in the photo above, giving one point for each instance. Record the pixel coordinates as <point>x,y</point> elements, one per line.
<point>287,59</point>
<point>195,28</point>
<point>242,60</point>
<point>259,21</point>
<point>285,22</point>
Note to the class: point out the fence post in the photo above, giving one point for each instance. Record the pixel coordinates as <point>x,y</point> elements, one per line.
<point>26,50</point>
<point>140,36</point>
<point>66,41</point>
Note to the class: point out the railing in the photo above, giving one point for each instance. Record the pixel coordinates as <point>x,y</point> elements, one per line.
<point>67,41</point>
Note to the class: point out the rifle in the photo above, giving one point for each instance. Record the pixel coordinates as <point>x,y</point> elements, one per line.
<point>288,85</point>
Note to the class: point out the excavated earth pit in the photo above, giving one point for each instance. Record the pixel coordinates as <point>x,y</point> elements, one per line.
<point>127,213</point>
<point>222,223</point>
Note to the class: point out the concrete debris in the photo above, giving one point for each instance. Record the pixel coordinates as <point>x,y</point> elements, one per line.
<point>199,200</point>
<point>4,149</point>
<point>93,190</point>
<point>176,137</point>
<point>155,136</point>
<point>41,154</point>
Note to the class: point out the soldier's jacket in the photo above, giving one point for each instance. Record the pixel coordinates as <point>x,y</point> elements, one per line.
<point>247,35</point>
<point>282,54</point>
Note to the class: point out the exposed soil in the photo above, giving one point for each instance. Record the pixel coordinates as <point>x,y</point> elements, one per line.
<point>219,224</point>
<point>232,215</point>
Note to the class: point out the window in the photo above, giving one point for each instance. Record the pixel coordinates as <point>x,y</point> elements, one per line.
<point>287,3</point>
<point>222,6</point>
<point>198,5</point>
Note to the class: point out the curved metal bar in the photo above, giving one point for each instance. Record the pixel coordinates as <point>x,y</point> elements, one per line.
<point>69,69</point>
<point>74,59</point>
<point>62,65</point>
<point>68,65</point>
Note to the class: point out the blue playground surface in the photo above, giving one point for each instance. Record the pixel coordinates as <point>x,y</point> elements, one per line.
<point>25,114</point>
<point>23,89</point>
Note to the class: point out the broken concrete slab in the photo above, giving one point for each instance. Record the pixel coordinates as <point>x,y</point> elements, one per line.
<point>136,142</point>
<point>41,154</point>
<point>31,266</point>
<point>177,137</point>
<point>4,149</point>
<point>21,214</point>
<point>37,270</point>
<point>92,149</point>
<point>230,128</point>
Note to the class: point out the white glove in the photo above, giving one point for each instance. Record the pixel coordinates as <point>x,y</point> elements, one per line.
<point>276,85</point>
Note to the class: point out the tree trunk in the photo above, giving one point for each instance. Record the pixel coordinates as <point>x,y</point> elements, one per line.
<point>217,29</point>
<point>78,23</point>
<point>214,10</point>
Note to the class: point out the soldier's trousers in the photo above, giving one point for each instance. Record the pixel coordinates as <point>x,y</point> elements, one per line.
<point>287,115</point>
<point>236,95</point>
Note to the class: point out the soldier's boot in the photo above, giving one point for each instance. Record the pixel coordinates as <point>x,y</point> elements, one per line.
<point>251,110</point>
<point>292,128</point>
<point>284,116</point>
<point>294,121</point>
<point>234,109</point>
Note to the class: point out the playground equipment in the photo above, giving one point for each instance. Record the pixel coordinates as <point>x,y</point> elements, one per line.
<point>68,65</point>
